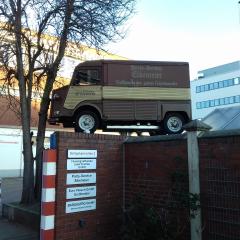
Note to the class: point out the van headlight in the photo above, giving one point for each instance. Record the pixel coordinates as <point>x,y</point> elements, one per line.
<point>56,96</point>
<point>56,113</point>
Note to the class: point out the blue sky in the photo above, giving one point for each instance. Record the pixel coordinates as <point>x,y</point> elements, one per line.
<point>205,33</point>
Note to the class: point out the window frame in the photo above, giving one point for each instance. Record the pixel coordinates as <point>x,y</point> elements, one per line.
<point>76,82</point>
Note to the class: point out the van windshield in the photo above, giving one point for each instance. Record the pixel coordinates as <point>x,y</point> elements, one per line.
<point>86,77</point>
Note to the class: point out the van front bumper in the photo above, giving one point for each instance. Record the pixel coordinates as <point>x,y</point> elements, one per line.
<point>53,121</point>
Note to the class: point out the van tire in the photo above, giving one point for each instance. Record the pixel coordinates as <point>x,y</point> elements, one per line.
<point>86,121</point>
<point>173,123</point>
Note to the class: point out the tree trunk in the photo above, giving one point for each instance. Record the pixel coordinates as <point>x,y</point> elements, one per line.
<point>51,75</point>
<point>43,112</point>
<point>28,176</point>
<point>40,145</point>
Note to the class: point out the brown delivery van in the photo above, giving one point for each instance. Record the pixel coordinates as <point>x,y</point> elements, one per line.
<point>129,95</point>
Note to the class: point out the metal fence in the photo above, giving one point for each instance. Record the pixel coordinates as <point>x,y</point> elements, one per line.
<point>221,201</point>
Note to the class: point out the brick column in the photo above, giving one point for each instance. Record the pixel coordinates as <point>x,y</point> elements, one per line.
<point>48,195</point>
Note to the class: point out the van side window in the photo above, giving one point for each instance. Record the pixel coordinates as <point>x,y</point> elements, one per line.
<point>87,77</point>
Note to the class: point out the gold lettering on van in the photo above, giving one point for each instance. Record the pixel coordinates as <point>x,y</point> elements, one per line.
<point>77,94</point>
<point>146,72</point>
<point>85,93</point>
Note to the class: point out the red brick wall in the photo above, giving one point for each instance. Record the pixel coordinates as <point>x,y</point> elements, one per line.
<point>102,223</point>
<point>150,165</point>
<point>147,167</point>
<point>150,168</point>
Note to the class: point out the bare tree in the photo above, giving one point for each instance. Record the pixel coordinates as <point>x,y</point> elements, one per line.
<point>34,35</point>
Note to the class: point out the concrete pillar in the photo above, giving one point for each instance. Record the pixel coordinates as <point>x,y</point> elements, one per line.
<point>193,171</point>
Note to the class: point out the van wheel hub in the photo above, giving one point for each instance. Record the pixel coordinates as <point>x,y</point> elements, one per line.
<point>86,122</point>
<point>173,123</point>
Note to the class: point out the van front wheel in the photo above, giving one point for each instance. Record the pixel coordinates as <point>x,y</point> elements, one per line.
<point>173,123</point>
<point>87,122</point>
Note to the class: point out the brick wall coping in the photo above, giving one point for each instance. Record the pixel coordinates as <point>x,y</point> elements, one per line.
<point>220,133</point>
<point>164,138</point>
<point>159,138</point>
<point>90,136</point>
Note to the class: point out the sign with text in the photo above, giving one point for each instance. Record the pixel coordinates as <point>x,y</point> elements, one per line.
<point>81,178</point>
<point>84,159</point>
<point>81,192</point>
<point>82,153</point>
<point>80,206</point>
<point>81,164</point>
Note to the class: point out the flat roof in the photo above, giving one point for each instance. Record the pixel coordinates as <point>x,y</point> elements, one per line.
<point>225,68</point>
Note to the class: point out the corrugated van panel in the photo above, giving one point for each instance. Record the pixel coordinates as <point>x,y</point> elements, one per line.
<point>118,110</point>
<point>146,110</point>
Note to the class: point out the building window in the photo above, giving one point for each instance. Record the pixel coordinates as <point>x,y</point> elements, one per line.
<point>236,80</point>
<point>231,100</point>
<point>198,105</point>
<point>206,88</point>
<point>221,84</point>
<point>237,99</point>
<point>215,85</point>
<point>198,89</point>
<point>230,82</point>
<point>207,104</point>
<point>212,103</point>
<point>202,88</point>
<point>216,102</point>
<point>221,101</point>
<point>225,83</point>
<point>211,86</point>
<point>226,100</point>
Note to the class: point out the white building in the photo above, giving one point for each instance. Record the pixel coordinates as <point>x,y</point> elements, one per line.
<point>11,144</point>
<point>215,87</point>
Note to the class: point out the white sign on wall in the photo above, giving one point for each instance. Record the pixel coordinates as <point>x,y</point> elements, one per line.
<point>80,206</point>
<point>81,192</point>
<point>81,160</point>
<point>81,164</point>
<point>81,178</point>
<point>82,153</point>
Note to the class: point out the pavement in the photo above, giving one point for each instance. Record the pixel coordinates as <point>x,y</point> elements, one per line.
<point>10,191</point>
<point>15,231</point>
